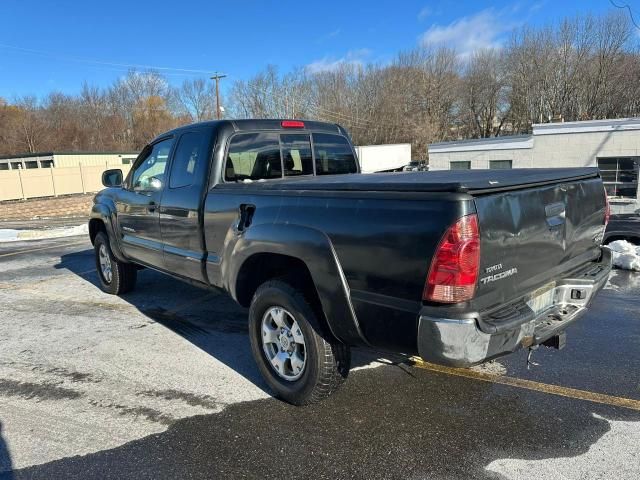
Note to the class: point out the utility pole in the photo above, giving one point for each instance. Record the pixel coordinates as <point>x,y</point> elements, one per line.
<point>217,78</point>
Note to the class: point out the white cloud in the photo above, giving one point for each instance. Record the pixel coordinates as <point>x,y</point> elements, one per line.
<point>330,64</point>
<point>484,29</point>
<point>424,13</point>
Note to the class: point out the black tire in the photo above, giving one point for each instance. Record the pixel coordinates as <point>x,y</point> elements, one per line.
<point>327,360</point>
<point>123,275</point>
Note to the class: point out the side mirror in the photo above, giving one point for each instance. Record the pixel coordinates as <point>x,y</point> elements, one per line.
<point>112,178</point>
<point>155,184</point>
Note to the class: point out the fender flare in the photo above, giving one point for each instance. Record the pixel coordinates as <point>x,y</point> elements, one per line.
<point>316,250</point>
<point>107,214</point>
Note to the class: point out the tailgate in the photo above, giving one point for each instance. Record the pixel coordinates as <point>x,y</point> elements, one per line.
<point>531,237</point>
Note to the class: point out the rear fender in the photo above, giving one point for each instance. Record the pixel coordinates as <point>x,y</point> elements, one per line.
<point>315,249</point>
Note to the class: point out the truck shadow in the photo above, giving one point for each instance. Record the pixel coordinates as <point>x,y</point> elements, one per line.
<point>6,467</point>
<point>203,317</point>
<point>390,423</point>
<point>385,425</point>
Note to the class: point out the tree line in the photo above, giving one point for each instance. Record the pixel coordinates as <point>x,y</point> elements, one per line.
<point>580,68</point>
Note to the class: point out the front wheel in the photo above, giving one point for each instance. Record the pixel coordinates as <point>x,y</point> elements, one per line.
<point>298,358</point>
<point>115,277</point>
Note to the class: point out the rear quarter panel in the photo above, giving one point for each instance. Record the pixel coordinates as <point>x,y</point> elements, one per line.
<point>383,242</point>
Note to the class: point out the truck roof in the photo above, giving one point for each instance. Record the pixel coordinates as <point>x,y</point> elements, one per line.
<point>248,124</point>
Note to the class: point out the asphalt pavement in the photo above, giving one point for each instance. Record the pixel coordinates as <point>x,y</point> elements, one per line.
<point>161,384</point>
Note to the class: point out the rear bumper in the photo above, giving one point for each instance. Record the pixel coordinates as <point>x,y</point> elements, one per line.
<point>460,342</point>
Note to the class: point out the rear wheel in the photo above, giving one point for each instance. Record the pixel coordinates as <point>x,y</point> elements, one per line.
<point>298,358</point>
<point>115,277</point>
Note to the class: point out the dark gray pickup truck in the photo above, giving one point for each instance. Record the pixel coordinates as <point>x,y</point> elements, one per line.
<point>457,267</point>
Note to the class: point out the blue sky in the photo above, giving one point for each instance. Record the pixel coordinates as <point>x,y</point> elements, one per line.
<point>57,44</point>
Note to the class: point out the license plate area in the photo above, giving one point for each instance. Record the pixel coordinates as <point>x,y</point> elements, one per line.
<point>542,299</point>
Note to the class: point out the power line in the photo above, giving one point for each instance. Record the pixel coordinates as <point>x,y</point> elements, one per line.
<point>628,7</point>
<point>60,56</point>
<point>320,111</point>
<point>346,117</point>
<point>335,118</point>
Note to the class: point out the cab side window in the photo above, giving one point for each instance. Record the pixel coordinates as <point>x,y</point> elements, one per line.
<point>149,172</point>
<point>189,156</point>
<point>253,156</point>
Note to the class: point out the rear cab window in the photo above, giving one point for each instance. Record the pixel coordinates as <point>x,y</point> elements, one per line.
<point>333,155</point>
<point>259,156</point>
<point>296,153</point>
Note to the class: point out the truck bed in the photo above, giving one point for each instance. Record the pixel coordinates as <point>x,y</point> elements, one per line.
<point>471,181</point>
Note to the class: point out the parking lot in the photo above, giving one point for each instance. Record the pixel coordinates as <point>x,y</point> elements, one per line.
<point>161,384</point>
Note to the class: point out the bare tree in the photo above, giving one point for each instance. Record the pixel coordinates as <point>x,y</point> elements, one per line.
<point>484,96</point>
<point>197,99</point>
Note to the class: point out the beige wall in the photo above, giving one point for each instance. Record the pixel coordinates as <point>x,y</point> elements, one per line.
<point>522,158</point>
<point>582,149</point>
<point>75,159</point>
<point>49,182</point>
<point>579,149</point>
<point>556,150</point>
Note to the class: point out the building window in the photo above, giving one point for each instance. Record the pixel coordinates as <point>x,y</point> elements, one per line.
<point>500,164</point>
<point>16,165</point>
<point>31,164</point>
<point>620,176</point>
<point>466,165</point>
<point>46,163</point>
<point>4,166</point>
<point>128,161</point>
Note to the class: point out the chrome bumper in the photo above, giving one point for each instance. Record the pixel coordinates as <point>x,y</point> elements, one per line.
<point>460,342</point>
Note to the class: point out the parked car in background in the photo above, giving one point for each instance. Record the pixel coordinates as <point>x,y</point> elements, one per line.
<point>623,227</point>
<point>414,166</point>
<point>458,267</point>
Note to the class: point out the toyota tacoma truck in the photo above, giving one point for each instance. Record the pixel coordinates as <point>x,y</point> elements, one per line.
<point>458,267</point>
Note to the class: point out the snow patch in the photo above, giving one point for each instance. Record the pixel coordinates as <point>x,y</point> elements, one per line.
<point>626,255</point>
<point>611,286</point>
<point>614,455</point>
<point>11,235</point>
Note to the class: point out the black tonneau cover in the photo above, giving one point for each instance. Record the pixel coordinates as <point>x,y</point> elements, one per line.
<point>472,181</point>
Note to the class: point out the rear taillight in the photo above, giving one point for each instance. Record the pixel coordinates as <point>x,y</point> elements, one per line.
<point>607,209</point>
<point>454,269</point>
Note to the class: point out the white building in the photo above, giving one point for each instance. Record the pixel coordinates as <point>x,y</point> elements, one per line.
<point>611,145</point>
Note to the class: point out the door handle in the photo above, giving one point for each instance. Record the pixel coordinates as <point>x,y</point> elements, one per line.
<point>246,215</point>
<point>151,207</point>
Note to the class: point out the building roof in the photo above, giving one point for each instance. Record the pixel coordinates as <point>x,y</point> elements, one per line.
<point>610,125</point>
<point>50,154</point>
<point>507,142</point>
<point>512,142</point>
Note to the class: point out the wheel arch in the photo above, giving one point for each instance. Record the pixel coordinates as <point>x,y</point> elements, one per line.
<point>96,225</point>
<point>102,220</point>
<point>265,252</point>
